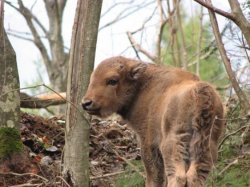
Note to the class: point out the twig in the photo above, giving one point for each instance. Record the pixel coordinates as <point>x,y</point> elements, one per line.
<point>229,165</point>
<point>128,12</point>
<point>139,48</point>
<point>107,175</point>
<point>24,174</point>
<point>64,181</point>
<point>247,117</point>
<point>245,48</point>
<point>28,184</point>
<point>227,136</point>
<point>145,22</point>
<point>20,37</point>
<point>115,5</point>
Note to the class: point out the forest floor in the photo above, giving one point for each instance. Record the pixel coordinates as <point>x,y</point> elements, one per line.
<point>114,156</point>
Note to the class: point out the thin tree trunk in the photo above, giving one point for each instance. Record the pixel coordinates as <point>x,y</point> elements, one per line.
<point>199,43</point>
<point>10,141</point>
<point>183,56</point>
<point>84,37</point>
<point>241,95</point>
<point>9,99</point>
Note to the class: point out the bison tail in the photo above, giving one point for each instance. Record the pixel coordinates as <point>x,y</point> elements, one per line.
<point>204,112</point>
<point>202,123</point>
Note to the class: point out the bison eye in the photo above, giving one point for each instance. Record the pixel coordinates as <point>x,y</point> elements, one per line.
<point>112,82</point>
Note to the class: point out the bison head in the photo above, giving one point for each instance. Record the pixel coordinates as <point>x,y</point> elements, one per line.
<point>112,86</point>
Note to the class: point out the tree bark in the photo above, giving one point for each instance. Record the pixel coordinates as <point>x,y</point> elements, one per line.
<point>82,54</point>
<point>9,84</point>
<point>10,142</point>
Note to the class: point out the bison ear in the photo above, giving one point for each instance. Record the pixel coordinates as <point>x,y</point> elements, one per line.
<point>137,70</point>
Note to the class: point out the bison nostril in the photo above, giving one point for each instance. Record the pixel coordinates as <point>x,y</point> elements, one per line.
<point>86,103</point>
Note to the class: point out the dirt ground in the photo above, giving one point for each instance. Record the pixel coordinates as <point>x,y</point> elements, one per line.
<point>112,146</point>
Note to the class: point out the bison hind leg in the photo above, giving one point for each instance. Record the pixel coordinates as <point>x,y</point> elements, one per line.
<point>175,155</point>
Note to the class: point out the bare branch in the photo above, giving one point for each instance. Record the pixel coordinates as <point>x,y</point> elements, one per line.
<point>145,22</point>
<point>240,19</point>
<point>107,175</point>
<point>20,37</point>
<point>25,174</point>
<point>231,134</point>
<point>236,161</point>
<point>236,16</point>
<point>32,15</point>
<point>245,48</point>
<point>140,49</point>
<point>125,13</point>
<point>115,5</point>
<point>241,95</point>
<point>214,9</point>
<point>37,40</point>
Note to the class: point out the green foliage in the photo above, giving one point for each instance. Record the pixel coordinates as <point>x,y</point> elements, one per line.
<point>131,178</point>
<point>10,142</point>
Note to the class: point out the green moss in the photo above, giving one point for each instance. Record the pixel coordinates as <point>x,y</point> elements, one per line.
<point>10,142</point>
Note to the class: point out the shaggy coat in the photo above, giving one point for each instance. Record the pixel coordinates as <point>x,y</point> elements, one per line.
<point>176,116</point>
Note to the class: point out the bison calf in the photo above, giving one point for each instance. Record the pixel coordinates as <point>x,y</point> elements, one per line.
<point>174,113</point>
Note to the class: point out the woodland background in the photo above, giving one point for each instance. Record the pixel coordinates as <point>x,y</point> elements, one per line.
<point>65,147</point>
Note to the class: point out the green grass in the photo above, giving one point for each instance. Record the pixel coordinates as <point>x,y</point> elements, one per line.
<point>131,178</point>
<point>237,175</point>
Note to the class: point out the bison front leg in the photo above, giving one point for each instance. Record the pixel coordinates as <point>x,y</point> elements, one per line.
<point>175,156</point>
<point>154,166</point>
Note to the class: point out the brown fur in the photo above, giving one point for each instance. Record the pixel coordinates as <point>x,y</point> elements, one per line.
<point>172,111</point>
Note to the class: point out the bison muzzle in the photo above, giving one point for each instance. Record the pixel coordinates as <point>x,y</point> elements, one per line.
<point>177,117</point>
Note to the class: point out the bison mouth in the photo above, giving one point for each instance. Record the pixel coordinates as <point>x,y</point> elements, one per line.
<point>93,111</point>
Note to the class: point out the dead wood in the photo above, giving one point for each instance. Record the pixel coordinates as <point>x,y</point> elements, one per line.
<point>42,101</point>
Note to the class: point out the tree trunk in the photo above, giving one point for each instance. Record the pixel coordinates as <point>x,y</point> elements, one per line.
<point>82,54</point>
<point>10,141</point>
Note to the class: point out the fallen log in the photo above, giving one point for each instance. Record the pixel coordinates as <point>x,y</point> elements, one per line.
<point>42,101</point>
